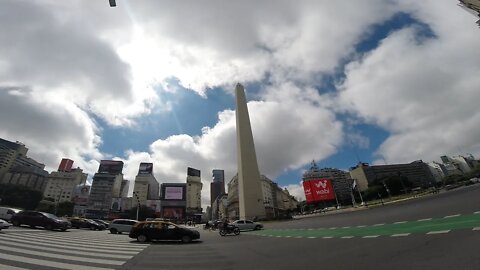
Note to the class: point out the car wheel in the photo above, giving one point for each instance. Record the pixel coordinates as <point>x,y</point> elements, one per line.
<point>113,231</point>
<point>186,239</point>
<point>49,227</point>
<point>258,227</point>
<point>142,238</point>
<point>16,223</point>
<point>236,231</point>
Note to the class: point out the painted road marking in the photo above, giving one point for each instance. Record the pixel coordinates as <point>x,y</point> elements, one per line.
<point>400,234</point>
<point>327,237</point>
<point>380,224</point>
<point>371,236</point>
<point>476,229</point>
<point>333,228</point>
<point>400,222</point>
<point>439,232</point>
<point>346,227</point>
<point>346,237</point>
<point>476,213</point>
<point>311,237</point>
<point>361,226</point>
<point>425,219</point>
<point>457,215</point>
<point>50,263</point>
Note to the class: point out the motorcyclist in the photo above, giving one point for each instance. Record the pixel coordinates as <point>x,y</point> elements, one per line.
<point>225,224</point>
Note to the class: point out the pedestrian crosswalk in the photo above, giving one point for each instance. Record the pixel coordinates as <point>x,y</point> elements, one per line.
<point>22,249</point>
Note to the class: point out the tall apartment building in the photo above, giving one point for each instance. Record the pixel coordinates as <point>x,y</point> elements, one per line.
<point>146,186</point>
<point>217,188</point>
<point>18,169</point>
<point>106,186</point>
<point>194,192</point>
<point>62,183</point>
<point>173,200</point>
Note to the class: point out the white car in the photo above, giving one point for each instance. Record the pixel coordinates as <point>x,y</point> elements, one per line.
<point>121,225</point>
<point>244,224</point>
<point>4,224</point>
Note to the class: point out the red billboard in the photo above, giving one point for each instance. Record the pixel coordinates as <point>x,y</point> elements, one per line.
<point>318,190</point>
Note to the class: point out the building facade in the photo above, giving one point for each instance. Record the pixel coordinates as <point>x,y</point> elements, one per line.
<point>106,186</point>
<point>194,192</point>
<point>173,201</point>
<point>62,183</point>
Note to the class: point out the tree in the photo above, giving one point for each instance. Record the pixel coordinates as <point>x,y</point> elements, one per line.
<point>20,196</point>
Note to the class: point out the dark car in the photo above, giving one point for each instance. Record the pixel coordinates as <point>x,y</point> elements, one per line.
<point>40,219</point>
<point>162,230</point>
<point>103,222</point>
<point>86,223</point>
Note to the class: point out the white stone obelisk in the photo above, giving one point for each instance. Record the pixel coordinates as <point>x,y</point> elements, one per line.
<point>249,189</point>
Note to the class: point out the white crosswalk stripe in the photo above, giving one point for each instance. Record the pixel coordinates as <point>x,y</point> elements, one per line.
<point>74,249</point>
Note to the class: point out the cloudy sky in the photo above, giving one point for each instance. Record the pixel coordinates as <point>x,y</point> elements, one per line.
<point>152,81</point>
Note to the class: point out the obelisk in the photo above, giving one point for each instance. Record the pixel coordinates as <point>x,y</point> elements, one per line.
<point>249,189</point>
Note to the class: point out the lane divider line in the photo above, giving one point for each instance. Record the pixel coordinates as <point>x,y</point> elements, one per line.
<point>400,222</point>
<point>346,227</point>
<point>476,229</point>
<point>476,213</point>
<point>346,237</point>
<point>425,219</point>
<point>327,237</point>
<point>333,228</point>
<point>380,224</point>
<point>439,232</point>
<point>361,226</point>
<point>371,236</point>
<point>400,234</point>
<point>457,215</point>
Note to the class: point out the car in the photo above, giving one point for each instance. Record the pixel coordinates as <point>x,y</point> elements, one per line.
<point>41,219</point>
<point>244,224</point>
<point>121,225</point>
<point>103,222</point>
<point>4,224</point>
<point>6,213</point>
<point>86,223</point>
<point>162,230</point>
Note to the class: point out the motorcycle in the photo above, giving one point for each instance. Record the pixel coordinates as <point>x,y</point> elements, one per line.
<point>229,229</point>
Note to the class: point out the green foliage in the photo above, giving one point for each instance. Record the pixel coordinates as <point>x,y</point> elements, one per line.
<point>19,196</point>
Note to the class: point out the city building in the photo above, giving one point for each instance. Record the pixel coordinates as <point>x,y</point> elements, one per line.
<point>173,201</point>
<point>194,193</point>
<point>417,172</point>
<point>124,188</point>
<point>18,169</point>
<point>437,170</point>
<point>106,186</point>
<point>473,7</point>
<point>146,186</point>
<point>220,207</point>
<point>217,187</point>
<point>61,184</point>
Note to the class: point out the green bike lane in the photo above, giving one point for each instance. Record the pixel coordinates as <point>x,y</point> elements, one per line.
<point>405,228</point>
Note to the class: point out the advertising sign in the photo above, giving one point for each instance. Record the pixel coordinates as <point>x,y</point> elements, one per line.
<point>308,191</point>
<point>145,168</point>
<point>193,172</point>
<point>173,193</point>
<point>317,190</point>
<point>110,166</point>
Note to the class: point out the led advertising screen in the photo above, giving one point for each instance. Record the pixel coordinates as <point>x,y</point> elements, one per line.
<point>173,193</point>
<point>173,212</point>
<point>145,168</point>
<point>319,190</point>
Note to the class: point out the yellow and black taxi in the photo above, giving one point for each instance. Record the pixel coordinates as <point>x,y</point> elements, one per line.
<point>162,230</point>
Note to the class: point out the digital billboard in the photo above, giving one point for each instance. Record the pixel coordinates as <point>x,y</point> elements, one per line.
<point>193,172</point>
<point>145,168</point>
<point>110,166</point>
<point>173,193</point>
<point>317,190</point>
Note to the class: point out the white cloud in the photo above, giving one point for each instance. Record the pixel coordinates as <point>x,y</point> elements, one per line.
<point>424,93</point>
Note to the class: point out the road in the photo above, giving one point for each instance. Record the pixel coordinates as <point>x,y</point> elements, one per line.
<point>440,231</point>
